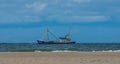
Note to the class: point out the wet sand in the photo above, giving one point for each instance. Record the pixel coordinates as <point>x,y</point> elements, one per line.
<point>59,57</point>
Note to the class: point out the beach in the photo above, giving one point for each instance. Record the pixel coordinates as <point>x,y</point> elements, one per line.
<point>59,57</point>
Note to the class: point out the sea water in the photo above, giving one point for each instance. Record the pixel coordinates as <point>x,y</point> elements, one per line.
<point>81,47</point>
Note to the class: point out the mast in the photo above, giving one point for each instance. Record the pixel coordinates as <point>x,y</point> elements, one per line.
<point>68,35</point>
<point>47,38</point>
<point>68,39</point>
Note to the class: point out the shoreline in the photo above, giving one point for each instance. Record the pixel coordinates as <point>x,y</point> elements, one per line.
<point>59,57</point>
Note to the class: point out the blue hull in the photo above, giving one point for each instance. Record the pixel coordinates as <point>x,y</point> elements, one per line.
<point>52,42</point>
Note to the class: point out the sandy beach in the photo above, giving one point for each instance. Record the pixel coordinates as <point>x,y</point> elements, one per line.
<point>59,58</point>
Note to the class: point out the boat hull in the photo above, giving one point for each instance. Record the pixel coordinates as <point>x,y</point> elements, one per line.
<point>52,42</point>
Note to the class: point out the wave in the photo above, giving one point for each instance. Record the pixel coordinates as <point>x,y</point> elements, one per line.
<point>78,51</point>
<point>56,51</point>
<point>112,51</point>
<point>107,51</point>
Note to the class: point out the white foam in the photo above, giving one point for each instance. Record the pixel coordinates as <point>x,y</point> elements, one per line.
<point>37,51</point>
<point>116,50</point>
<point>56,51</point>
<point>64,51</point>
<point>108,51</point>
<point>78,51</point>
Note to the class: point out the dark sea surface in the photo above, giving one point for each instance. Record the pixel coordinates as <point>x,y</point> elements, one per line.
<point>82,47</point>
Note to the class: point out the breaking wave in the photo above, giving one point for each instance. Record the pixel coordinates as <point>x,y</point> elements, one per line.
<point>77,51</point>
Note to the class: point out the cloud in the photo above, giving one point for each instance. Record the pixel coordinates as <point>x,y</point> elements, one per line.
<point>58,10</point>
<point>37,6</point>
<point>93,18</point>
<point>78,18</point>
<point>81,1</point>
<point>19,19</point>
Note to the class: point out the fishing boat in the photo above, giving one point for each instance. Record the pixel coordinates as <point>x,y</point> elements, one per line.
<point>60,40</point>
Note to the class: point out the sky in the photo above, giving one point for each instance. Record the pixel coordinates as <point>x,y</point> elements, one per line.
<point>89,21</point>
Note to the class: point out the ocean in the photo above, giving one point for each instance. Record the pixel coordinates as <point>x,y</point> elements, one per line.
<point>82,47</point>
